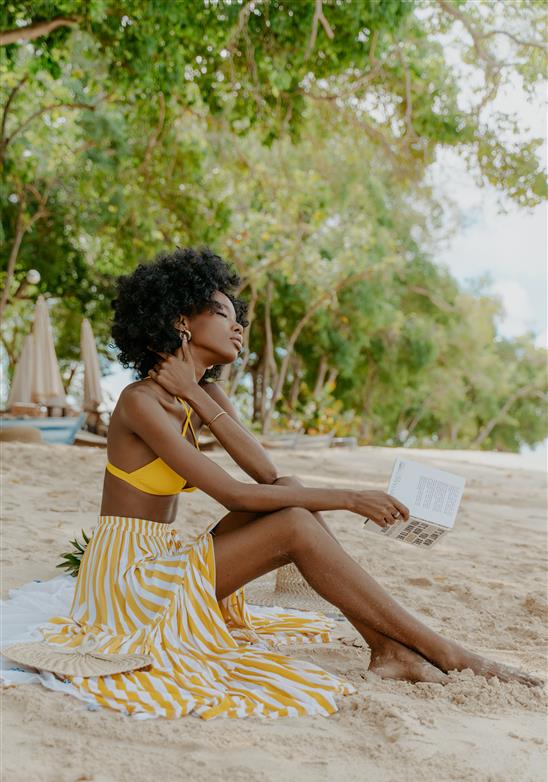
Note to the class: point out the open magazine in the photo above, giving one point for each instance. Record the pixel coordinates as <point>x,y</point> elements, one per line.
<point>433,498</point>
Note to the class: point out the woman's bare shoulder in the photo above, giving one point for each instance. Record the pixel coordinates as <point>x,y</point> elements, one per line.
<point>134,391</point>
<point>142,396</point>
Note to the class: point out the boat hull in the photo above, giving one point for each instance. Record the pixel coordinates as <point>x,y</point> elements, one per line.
<point>54,430</point>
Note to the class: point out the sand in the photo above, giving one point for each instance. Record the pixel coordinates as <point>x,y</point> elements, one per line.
<point>484,585</point>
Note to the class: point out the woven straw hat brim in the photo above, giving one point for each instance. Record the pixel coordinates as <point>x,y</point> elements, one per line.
<point>263,592</point>
<point>37,654</point>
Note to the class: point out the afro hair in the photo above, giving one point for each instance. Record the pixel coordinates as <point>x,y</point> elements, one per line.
<point>150,299</point>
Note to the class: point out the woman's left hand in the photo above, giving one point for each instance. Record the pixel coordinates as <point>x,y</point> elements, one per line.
<point>176,373</point>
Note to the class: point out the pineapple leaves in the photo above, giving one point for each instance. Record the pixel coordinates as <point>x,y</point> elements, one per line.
<point>71,560</point>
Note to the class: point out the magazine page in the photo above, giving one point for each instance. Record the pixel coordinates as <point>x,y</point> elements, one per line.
<point>430,494</point>
<point>433,497</point>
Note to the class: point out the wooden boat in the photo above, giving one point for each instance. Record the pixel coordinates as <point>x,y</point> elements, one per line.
<point>296,440</point>
<point>54,430</point>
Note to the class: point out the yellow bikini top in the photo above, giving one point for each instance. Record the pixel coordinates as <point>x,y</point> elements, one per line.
<point>157,477</point>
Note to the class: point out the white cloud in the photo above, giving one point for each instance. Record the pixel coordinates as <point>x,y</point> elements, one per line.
<point>510,247</point>
<point>517,307</point>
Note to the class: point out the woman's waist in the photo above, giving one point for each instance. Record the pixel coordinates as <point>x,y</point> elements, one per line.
<point>138,525</point>
<point>125,501</point>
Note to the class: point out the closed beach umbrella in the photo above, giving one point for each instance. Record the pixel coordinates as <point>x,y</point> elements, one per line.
<point>93,395</point>
<point>21,387</point>
<point>47,386</point>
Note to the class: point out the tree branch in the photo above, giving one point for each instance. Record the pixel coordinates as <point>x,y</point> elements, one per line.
<point>245,359</point>
<point>11,96</point>
<point>37,29</point>
<point>408,99</point>
<point>318,18</point>
<point>38,113</point>
<point>19,233</point>
<point>525,391</point>
<point>9,351</point>
<point>21,228</point>
<point>436,301</point>
<point>475,34</point>
<point>311,311</point>
<point>519,41</point>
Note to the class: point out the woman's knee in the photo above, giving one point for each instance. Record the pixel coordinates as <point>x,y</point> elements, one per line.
<point>288,480</point>
<point>298,527</point>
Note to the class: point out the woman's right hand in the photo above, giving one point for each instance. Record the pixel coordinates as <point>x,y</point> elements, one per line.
<point>176,373</point>
<point>380,507</point>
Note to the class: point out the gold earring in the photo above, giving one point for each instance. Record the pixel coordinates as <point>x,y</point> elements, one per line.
<point>185,333</point>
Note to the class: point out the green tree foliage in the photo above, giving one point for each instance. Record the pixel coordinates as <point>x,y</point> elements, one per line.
<point>295,137</point>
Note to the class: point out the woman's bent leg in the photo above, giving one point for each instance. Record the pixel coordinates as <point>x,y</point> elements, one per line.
<point>389,659</point>
<point>293,535</point>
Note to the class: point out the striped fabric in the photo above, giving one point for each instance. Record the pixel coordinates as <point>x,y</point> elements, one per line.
<point>142,589</point>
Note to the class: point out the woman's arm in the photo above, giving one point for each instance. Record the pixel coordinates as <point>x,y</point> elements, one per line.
<point>245,449</point>
<point>145,416</point>
<point>176,374</point>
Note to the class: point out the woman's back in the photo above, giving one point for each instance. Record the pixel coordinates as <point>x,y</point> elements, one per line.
<point>135,476</point>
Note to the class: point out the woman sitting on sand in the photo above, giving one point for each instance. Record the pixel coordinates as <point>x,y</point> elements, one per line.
<point>142,588</point>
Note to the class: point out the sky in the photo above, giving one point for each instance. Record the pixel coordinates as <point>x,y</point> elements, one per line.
<point>510,248</point>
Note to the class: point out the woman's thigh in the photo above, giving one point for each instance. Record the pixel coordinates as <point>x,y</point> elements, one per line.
<point>234,519</point>
<point>250,551</point>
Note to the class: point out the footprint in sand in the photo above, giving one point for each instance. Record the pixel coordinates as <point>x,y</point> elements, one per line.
<point>420,582</point>
<point>536,607</point>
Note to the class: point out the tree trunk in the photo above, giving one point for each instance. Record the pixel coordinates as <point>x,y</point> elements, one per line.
<point>364,431</point>
<point>269,362</point>
<point>21,229</point>
<point>296,385</point>
<point>454,432</point>
<point>315,306</point>
<point>414,422</point>
<point>320,377</point>
<point>485,431</point>
<point>240,371</point>
<point>19,233</point>
<point>331,378</point>
<point>262,378</point>
<point>256,394</point>
<point>68,381</point>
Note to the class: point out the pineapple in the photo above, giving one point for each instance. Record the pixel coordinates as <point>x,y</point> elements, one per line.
<point>73,558</point>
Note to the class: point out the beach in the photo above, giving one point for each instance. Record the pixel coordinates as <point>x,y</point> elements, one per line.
<point>483,585</point>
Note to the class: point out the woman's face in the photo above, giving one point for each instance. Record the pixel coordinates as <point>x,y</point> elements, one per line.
<point>216,333</point>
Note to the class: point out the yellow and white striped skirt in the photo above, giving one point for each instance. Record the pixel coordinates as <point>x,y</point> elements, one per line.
<point>142,589</point>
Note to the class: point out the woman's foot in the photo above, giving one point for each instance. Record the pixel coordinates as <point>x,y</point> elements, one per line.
<point>459,659</point>
<point>395,661</point>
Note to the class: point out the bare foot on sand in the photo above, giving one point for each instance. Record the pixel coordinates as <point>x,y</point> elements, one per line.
<point>459,659</point>
<point>395,661</point>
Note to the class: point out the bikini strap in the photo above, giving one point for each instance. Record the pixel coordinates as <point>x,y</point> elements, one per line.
<point>188,421</point>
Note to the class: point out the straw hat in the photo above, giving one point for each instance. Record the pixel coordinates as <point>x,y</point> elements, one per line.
<point>286,588</point>
<point>79,661</point>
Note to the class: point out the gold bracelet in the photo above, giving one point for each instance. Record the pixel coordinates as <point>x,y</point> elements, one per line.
<point>223,412</point>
